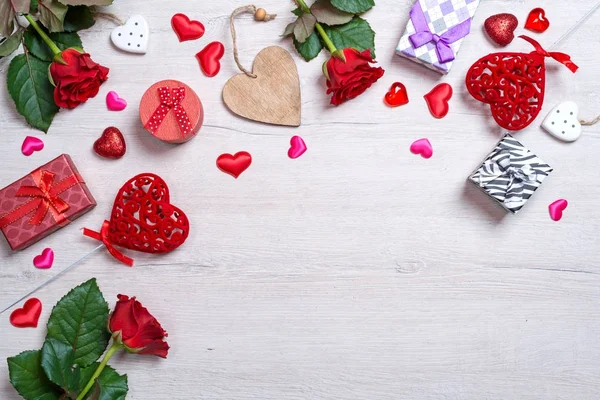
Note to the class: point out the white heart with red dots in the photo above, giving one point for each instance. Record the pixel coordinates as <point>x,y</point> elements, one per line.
<point>133,36</point>
<point>563,122</point>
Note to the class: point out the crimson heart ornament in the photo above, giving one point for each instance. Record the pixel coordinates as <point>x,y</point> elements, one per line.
<point>513,84</point>
<point>143,219</point>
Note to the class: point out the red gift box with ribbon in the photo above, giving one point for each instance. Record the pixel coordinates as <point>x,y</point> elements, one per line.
<point>171,111</point>
<point>42,202</point>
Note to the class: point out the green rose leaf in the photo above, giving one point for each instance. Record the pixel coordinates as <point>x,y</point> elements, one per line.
<point>356,33</point>
<point>79,319</point>
<point>33,6</point>
<point>353,6</point>
<point>325,13</point>
<point>304,27</point>
<point>78,18</point>
<point>10,44</point>
<point>40,49</point>
<point>88,3</point>
<point>30,89</point>
<point>109,385</point>
<point>310,48</point>
<point>8,11</point>
<point>52,14</point>
<point>57,363</point>
<point>28,378</point>
<point>289,29</point>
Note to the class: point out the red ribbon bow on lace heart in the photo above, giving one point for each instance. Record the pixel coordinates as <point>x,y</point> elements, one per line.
<point>513,84</point>
<point>44,198</point>
<point>170,99</point>
<point>143,219</point>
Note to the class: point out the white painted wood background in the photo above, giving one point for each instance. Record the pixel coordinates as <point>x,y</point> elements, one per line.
<point>358,271</point>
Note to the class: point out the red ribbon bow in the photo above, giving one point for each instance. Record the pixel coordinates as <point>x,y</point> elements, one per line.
<point>562,58</point>
<point>170,99</point>
<point>45,197</point>
<point>102,236</point>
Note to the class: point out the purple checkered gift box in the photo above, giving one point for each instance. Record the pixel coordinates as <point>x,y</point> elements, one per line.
<point>435,31</point>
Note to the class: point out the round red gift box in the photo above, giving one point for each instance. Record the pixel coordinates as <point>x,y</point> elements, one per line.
<point>171,114</point>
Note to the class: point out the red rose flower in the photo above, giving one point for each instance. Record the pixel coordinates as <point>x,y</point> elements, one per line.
<point>77,79</point>
<point>132,325</point>
<point>350,78</point>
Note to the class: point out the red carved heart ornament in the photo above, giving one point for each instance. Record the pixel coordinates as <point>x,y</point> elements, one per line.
<point>143,219</point>
<point>513,84</point>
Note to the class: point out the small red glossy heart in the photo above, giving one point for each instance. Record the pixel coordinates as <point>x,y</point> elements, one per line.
<point>397,95</point>
<point>537,21</point>
<point>210,58</point>
<point>185,28</point>
<point>556,209</point>
<point>437,100</point>
<point>501,27</point>
<point>111,144</point>
<point>235,164</point>
<point>28,316</point>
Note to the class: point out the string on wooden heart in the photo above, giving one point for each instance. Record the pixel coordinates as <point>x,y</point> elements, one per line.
<point>592,122</point>
<point>259,15</point>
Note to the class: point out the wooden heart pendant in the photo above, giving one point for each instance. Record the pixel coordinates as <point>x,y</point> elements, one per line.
<point>273,97</point>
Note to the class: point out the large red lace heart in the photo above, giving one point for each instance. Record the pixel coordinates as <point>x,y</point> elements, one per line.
<point>513,84</point>
<point>143,219</point>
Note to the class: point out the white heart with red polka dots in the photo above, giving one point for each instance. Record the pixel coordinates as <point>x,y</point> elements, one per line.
<point>133,36</point>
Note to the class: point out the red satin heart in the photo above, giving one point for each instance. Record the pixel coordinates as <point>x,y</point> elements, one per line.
<point>500,28</point>
<point>185,28</point>
<point>397,95</point>
<point>28,316</point>
<point>111,144</point>
<point>235,164</point>
<point>537,21</point>
<point>437,100</point>
<point>143,219</point>
<point>210,58</point>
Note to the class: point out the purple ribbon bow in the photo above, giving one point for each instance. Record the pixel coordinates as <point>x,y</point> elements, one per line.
<point>442,43</point>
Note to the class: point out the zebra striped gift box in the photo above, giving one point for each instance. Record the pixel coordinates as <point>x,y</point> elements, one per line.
<point>510,174</point>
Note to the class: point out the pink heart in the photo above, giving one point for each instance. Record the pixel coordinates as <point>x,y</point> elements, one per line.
<point>297,147</point>
<point>31,144</point>
<point>114,102</point>
<point>44,260</point>
<point>556,209</point>
<point>422,147</point>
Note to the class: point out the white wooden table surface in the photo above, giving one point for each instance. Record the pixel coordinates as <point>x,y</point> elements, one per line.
<point>358,271</point>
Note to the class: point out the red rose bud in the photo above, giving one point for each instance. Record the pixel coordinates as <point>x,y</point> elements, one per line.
<point>76,78</point>
<point>132,325</point>
<point>350,78</point>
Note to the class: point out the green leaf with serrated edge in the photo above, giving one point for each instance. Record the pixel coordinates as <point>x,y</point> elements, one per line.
<point>325,13</point>
<point>356,33</point>
<point>78,18</point>
<point>109,385</point>
<point>289,29</point>
<point>304,27</point>
<point>40,49</point>
<point>88,3</point>
<point>28,377</point>
<point>57,363</point>
<point>52,14</point>
<point>8,11</point>
<point>79,319</point>
<point>30,89</point>
<point>11,43</point>
<point>353,6</point>
<point>310,48</point>
<point>33,6</point>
